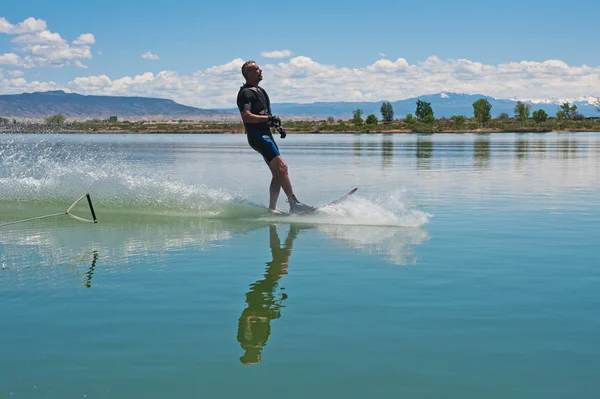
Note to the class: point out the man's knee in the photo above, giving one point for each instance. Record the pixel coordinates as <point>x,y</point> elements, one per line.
<point>279,167</point>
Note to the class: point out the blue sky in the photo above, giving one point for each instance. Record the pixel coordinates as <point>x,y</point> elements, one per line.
<point>336,49</point>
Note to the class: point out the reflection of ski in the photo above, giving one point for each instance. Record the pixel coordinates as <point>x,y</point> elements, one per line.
<point>336,201</point>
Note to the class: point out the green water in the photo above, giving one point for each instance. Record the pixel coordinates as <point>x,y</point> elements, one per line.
<point>466,266</point>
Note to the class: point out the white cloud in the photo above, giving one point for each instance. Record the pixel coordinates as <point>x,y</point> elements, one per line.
<point>27,26</point>
<point>20,85</point>
<point>42,38</point>
<point>137,80</point>
<point>233,66</point>
<point>85,38</point>
<point>5,26</point>
<point>388,66</point>
<point>91,83</point>
<point>302,79</point>
<point>277,54</point>
<point>80,64</point>
<point>39,46</point>
<point>383,55</point>
<point>17,82</point>
<point>16,74</point>
<point>10,59</point>
<point>150,56</point>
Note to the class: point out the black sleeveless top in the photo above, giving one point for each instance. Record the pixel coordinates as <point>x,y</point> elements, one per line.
<point>256,100</point>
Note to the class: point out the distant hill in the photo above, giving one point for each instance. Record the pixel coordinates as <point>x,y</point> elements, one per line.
<point>41,104</point>
<point>443,104</point>
<point>71,105</point>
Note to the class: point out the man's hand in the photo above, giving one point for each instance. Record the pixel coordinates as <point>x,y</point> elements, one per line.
<point>274,121</point>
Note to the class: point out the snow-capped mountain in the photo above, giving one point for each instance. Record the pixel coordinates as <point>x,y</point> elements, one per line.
<point>444,104</point>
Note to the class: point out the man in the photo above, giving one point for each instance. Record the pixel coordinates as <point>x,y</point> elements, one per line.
<point>255,108</point>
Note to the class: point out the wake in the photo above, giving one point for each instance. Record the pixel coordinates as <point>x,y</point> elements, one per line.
<point>390,210</point>
<point>45,176</point>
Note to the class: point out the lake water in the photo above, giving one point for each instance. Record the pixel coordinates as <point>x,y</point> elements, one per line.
<point>466,266</point>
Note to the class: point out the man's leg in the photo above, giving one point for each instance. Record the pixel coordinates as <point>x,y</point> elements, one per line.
<point>279,170</point>
<point>274,189</point>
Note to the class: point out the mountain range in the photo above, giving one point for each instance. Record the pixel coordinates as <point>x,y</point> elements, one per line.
<point>76,106</point>
<point>443,104</point>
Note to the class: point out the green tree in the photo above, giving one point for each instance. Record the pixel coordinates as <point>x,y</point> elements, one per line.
<point>112,119</point>
<point>540,116</point>
<point>503,116</point>
<point>371,119</point>
<point>482,110</point>
<point>522,111</point>
<point>387,111</point>
<point>330,120</point>
<point>4,121</point>
<point>424,112</point>
<point>57,119</point>
<point>577,116</point>
<point>410,120</point>
<point>357,117</point>
<point>568,110</point>
<point>458,120</point>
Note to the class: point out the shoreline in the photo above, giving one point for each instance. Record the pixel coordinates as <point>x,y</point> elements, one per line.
<point>292,132</point>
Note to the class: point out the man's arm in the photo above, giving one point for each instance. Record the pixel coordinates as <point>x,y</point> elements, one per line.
<point>244,102</point>
<point>249,117</point>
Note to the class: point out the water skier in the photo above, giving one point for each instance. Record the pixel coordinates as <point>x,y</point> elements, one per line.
<point>255,108</point>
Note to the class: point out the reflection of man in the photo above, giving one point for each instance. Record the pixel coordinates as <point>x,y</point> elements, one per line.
<point>264,304</point>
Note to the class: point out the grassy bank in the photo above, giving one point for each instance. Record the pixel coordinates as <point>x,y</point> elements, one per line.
<point>442,125</point>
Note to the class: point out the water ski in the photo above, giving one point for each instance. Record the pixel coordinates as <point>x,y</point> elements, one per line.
<point>335,201</point>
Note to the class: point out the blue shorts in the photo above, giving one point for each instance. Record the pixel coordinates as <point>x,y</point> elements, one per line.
<point>264,144</point>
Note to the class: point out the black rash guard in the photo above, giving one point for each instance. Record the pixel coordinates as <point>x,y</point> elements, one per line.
<point>255,100</point>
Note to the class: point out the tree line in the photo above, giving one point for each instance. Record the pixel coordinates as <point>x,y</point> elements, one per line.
<point>482,111</point>
<point>57,120</point>
<point>423,119</point>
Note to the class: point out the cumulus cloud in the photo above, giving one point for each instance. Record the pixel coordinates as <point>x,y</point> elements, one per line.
<point>277,54</point>
<point>27,26</point>
<point>16,82</point>
<point>150,56</point>
<point>234,66</point>
<point>85,38</point>
<point>388,66</point>
<point>16,74</point>
<point>42,38</point>
<point>80,64</point>
<point>11,59</point>
<point>38,46</point>
<point>302,79</point>
<point>19,85</point>
<point>91,83</point>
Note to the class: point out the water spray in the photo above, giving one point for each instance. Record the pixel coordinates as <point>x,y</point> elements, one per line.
<point>89,200</point>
